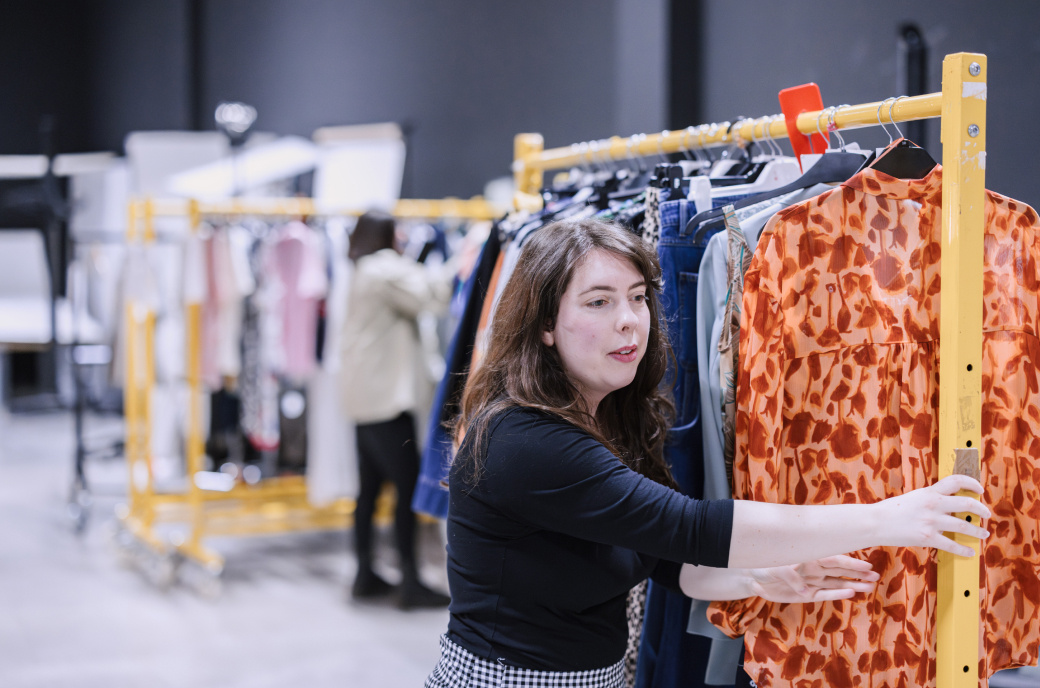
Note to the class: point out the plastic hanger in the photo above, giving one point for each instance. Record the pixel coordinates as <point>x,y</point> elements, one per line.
<point>622,183</point>
<point>833,167</point>
<point>777,170</point>
<point>693,162</point>
<point>902,158</point>
<point>678,175</point>
<point>730,171</point>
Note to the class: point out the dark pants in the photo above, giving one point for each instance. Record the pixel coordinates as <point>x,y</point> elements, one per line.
<point>387,452</point>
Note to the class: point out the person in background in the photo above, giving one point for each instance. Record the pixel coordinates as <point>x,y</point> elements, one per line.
<point>383,378</point>
<point>560,499</point>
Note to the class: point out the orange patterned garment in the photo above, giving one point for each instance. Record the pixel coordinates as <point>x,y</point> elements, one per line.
<point>837,403</point>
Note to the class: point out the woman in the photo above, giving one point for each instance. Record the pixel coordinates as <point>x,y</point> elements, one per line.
<point>383,378</point>
<point>561,500</point>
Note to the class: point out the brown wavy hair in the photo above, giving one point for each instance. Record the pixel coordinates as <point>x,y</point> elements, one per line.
<point>519,369</point>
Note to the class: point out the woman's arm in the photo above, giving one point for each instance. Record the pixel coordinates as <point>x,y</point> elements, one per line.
<point>833,578</point>
<point>781,534</point>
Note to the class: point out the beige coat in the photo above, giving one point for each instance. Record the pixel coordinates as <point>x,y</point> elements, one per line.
<point>383,367</point>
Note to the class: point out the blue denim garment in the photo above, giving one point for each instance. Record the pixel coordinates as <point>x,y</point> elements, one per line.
<point>680,258</point>
<point>669,657</point>
<point>431,494</point>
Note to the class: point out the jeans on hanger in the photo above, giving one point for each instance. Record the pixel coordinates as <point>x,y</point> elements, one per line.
<point>669,657</point>
<point>680,258</point>
<point>431,496</point>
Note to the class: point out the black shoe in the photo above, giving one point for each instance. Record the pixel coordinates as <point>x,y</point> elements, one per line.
<point>368,585</point>
<point>418,596</point>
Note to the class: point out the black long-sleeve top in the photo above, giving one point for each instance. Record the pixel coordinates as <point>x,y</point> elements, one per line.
<point>543,550</point>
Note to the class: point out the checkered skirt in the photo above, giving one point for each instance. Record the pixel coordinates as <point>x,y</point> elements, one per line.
<point>460,668</point>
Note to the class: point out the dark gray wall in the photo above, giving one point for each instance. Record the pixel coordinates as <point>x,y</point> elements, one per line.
<point>43,72</point>
<point>98,68</point>
<point>641,53</point>
<point>470,75</point>
<point>850,50</point>
<point>466,76</point>
<point>140,75</point>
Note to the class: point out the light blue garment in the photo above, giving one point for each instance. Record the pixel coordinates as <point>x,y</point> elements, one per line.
<point>712,287</point>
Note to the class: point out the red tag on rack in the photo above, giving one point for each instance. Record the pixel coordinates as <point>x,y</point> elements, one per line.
<point>793,102</point>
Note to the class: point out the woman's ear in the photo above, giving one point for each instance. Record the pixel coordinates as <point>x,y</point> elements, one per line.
<point>547,338</point>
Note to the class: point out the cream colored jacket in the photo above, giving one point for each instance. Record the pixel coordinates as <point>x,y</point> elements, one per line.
<point>383,366</point>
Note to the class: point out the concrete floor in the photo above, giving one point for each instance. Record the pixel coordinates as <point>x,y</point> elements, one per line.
<point>74,613</point>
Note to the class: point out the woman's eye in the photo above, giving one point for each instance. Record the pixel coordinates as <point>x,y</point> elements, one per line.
<point>598,303</point>
<point>639,297</point>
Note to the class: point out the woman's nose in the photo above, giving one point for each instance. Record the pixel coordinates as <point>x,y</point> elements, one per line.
<point>627,319</point>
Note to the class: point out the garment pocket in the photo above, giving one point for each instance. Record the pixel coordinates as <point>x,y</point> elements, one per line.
<point>682,448</point>
<point>684,339</point>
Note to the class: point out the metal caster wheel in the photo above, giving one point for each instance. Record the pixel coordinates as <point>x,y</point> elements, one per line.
<point>125,546</point>
<point>161,570</point>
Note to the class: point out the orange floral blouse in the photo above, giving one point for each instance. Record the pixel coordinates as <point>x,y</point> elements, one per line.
<point>837,402</point>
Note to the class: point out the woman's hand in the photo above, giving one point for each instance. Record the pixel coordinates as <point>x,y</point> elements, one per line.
<point>831,578</point>
<point>920,517</point>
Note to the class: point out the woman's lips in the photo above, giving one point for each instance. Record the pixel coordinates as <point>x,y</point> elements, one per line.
<point>625,354</point>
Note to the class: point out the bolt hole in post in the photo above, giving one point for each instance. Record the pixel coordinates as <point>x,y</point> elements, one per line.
<point>969,367</point>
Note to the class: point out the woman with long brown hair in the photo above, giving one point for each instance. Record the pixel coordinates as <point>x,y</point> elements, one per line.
<point>560,499</point>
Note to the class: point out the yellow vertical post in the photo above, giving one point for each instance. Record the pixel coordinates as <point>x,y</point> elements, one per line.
<point>130,390</point>
<point>145,321</point>
<point>960,361</point>
<point>195,442</point>
<point>528,179</point>
<point>140,372</point>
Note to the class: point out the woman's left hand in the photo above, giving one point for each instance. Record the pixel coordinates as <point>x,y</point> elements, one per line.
<point>831,578</point>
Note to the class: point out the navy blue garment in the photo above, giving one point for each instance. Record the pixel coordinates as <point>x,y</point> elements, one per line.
<point>431,493</point>
<point>669,657</point>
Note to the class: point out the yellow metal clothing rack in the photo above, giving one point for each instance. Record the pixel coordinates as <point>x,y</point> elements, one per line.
<point>274,505</point>
<point>962,107</point>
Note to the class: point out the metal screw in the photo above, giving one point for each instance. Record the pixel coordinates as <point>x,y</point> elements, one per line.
<point>973,130</point>
<point>974,69</point>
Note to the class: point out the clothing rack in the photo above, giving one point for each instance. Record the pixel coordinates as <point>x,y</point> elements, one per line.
<point>274,504</point>
<point>961,105</point>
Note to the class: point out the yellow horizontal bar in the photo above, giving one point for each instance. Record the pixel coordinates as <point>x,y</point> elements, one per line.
<point>475,208</point>
<point>902,109</point>
<point>257,525</point>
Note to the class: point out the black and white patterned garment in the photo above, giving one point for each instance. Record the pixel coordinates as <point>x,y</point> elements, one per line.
<point>651,229</point>
<point>635,612</point>
<point>459,668</point>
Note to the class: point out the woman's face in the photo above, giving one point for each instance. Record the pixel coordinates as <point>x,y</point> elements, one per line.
<point>602,326</point>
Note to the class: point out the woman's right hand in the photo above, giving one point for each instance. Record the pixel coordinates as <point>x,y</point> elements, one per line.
<point>920,517</point>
